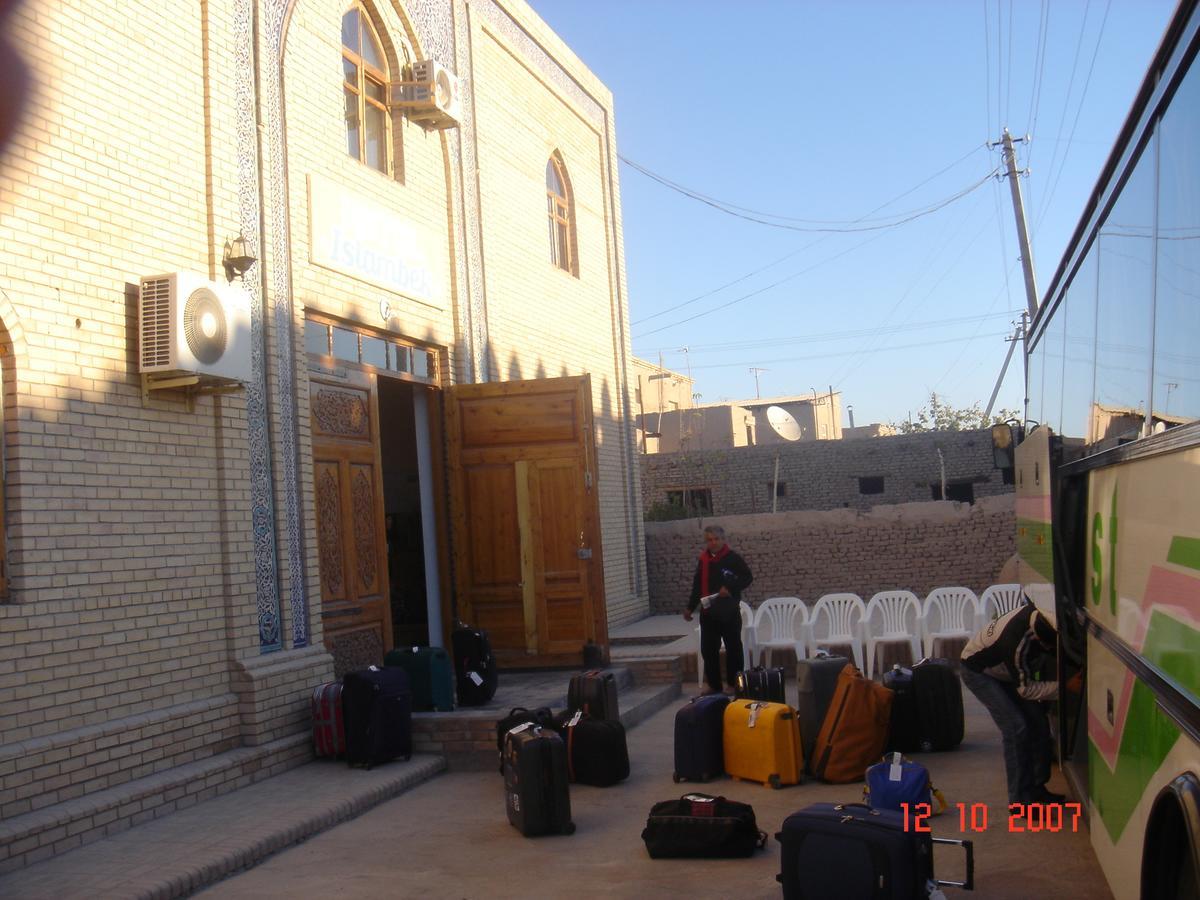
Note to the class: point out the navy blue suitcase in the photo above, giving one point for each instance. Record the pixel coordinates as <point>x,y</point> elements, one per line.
<point>699,744</point>
<point>377,714</point>
<point>853,852</point>
<point>938,695</point>
<point>904,731</point>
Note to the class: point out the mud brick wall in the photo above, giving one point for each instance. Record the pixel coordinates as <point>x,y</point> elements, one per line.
<point>912,546</point>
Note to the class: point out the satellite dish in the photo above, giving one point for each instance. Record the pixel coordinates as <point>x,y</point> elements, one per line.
<point>784,423</point>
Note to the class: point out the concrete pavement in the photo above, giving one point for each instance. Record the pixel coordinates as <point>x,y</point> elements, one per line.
<point>449,837</point>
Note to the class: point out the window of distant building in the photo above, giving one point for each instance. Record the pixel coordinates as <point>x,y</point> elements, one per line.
<point>780,488</point>
<point>871,485</point>
<point>962,491</point>
<point>560,208</point>
<point>365,85</point>
<point>697,501</point>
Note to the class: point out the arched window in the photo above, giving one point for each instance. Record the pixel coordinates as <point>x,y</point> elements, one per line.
<point>561,212</point>
<point>365,84</point>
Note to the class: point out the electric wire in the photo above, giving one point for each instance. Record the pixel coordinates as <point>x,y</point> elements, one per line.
<point>813,243</point>
<point>792,359</point>
<point>987,68</point>
<point>1035,100</point>
<point>1008,78</point>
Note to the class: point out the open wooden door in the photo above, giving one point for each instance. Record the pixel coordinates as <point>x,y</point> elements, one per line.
<point>525,517</point>
<point>351,540</point>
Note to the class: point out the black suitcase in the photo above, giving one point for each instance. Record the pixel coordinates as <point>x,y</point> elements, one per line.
<point>699,738</point>
<point>938,694</point>
<point>594,692</point>
<point>536,793</point>
<point>816,681</point>
<point>761,683</point>
<point>853,852</point>
<point>519,715</point>
<point>475,672</point>
<point>597,752</point>
<point>701,826</point>
<point>903,730</point>
<point>377,713</point>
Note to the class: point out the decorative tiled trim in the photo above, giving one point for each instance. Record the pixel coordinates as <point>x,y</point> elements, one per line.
<point>262,493</point>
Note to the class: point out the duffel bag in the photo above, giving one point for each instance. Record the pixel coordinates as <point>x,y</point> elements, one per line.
<point>897,783</point>
<point>702,826</point>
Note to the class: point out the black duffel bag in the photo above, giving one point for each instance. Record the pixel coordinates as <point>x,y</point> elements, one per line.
<point>699,825</point>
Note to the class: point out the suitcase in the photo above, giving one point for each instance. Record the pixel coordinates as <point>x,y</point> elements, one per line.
<point>761,742</point>
<point>761,683</point>
<point>938,694</point>
<point>903,729</point>
<point>597,753</point>
<point>536,793</point>
<point>475,673</point>
<point>816,681</point>
<point>377,711</point>
<point>594,692</point>
<point>519,715</point>
<point>699,750</point>
<point>897,783</point>
<point>853,852</point>
<point>855,729</point>
<point>329,729</point>
<point>697,825</point>
<point>430,676</point>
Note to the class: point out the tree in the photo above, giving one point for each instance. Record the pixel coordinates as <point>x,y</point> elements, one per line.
<point>940,416</point>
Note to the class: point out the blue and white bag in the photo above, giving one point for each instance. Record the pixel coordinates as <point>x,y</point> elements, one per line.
<point>896,781</point>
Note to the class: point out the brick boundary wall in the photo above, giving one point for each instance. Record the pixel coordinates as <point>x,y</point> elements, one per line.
<point>825,474</point>
<point>912,546</point>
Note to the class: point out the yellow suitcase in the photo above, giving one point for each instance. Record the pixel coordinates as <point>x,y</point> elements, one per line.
<point>762,743</point>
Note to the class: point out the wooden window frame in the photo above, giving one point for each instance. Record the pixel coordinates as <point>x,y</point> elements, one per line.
<point>560,209</point>
<point>358,88</point>
<point>436,354</point>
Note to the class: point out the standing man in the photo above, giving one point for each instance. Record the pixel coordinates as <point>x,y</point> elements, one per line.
<point>721,576</point>
<point>1002,665</point>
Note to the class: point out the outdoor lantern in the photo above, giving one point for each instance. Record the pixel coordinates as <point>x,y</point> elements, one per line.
<point>238,258</point>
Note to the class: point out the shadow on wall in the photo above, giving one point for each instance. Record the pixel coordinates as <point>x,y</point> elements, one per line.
<point>912,546</point>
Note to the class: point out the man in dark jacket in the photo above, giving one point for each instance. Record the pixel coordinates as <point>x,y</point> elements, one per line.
<point>721,576</point>
<point>1003,666</point>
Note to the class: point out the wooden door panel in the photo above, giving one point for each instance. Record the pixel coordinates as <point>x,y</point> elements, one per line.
<point>331,558</point>
<point>364,514</point>
<point>495,549</point>
<point>520,420</point>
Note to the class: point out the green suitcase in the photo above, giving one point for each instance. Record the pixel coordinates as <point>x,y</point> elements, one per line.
<point>430,674</point>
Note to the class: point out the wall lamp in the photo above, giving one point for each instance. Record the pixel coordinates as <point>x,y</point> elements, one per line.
<point>238,258</point>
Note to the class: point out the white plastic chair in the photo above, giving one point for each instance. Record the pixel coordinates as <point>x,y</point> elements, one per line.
<point>787,621</point>
<point>838,619</point>
<point>892,616</point>
<point>950,612</point>
<point>749,643</point>
<point>998,600</point>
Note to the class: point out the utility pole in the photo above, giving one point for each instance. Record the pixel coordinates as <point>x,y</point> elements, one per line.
<point>1012,344</point>
<point>1010,159</point>
<point>754,370</point>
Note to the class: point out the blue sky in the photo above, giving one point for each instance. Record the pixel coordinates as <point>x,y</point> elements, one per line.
<point>825,112</point>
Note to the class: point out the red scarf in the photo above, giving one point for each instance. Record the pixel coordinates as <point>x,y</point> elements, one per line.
<point>706,559</point>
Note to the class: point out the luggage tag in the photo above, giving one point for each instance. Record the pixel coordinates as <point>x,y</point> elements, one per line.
<point>702,806</point>
<point>474,676</point>
<point>524,726</point>
<point>575,718</point>
<point>415,649</point>
<point>754,710</point>
<point>895,772</point>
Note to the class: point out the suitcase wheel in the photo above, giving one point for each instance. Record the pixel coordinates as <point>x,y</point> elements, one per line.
<point>675,777</point>
<point>570,829</point>
<point>773,781</point>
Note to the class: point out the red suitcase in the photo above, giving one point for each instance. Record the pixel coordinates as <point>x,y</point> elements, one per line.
<point>329,732</point>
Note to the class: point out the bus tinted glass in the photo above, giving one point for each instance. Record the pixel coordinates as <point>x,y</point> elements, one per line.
<point>1079,351</point>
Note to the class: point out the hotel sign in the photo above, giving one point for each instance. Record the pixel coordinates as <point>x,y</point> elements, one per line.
<point>361,238</point>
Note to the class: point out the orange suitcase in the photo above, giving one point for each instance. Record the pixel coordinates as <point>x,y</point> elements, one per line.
<point>855,729</point>
<point>762,743</point>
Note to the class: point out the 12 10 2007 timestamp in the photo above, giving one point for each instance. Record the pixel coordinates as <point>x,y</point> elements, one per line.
<point>1021,816</point>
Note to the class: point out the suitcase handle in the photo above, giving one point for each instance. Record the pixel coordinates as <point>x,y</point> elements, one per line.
<point>969,848</point>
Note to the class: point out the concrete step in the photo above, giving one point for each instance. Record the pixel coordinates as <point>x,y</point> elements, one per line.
<point>182,853</point>
<point>51,830</point>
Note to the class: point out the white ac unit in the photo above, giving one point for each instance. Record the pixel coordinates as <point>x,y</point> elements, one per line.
<point>434,96</point>
<point>187,323</point>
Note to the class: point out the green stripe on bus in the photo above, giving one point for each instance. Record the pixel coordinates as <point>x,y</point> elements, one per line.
<point>1185,552</point>
<point>1149,734</point>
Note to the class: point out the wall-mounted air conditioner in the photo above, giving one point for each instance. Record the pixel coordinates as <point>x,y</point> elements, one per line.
<point>432,98</point>
<point>188,324</point>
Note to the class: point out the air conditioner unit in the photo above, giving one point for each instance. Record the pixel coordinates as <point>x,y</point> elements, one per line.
<point>433,96</point>
<point>188,324</point>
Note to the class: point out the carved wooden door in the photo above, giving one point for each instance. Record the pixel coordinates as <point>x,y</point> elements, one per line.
<point>348,499</point>
<point>525,517</point>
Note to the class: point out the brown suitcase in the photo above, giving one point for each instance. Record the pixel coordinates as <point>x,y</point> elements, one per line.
<point>855,729</point>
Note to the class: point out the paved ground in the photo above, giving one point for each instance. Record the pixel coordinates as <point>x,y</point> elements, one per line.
<point>449,837</point>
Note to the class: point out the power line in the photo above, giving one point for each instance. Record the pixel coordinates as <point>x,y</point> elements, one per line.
<point>730,209</point>
<point>1035,100</point>
<point>1008,81</point>
<point>987,67</point>
<point>794,253</point>
<point>792,359</point>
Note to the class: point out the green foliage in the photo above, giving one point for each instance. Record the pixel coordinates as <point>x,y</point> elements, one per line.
<point>662,511</point>
<point>940,416</point>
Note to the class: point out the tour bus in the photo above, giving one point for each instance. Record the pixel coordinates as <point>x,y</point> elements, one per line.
<point>1107,471</point>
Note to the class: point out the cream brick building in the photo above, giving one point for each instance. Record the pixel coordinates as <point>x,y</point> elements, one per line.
<point>182,567</point>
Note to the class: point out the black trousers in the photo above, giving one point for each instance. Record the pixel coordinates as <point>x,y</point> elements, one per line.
<point>721,622</point>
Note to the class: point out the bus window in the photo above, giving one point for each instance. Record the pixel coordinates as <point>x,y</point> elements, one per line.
<point>1079,352</point>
